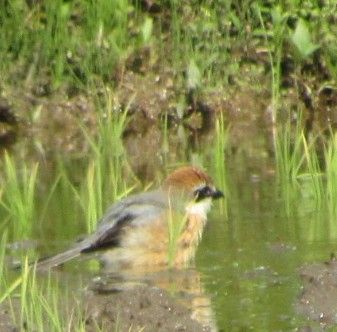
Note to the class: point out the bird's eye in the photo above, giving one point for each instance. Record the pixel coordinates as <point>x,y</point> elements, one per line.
<point>202,193</point>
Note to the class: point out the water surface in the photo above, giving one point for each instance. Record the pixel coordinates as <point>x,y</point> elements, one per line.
<point>250,262</point>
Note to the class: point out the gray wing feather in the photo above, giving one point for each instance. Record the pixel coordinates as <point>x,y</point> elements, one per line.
<point>49,262</point>
<point>135,210</point>
<point>135,204</point>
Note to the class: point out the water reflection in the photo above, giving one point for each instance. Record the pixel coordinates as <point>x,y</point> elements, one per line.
<point>184,285</point>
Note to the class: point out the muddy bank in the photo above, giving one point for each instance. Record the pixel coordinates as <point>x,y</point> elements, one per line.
<point>147,308</point>
<point>142,308</point>
<point>139,308</point>
<point>318,298</point>
<point>46,127</point>
<point>56,123</point>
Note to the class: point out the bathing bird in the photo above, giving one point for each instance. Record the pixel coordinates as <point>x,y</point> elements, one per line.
<point>150,230</point>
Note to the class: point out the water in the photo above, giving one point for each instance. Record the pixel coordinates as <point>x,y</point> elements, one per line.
<point>247,263</point>
<point>250,262</point>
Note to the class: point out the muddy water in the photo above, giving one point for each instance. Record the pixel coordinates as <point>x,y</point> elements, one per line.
<point>246,276</point>
<point>250,262</point>
<point>247,267</point>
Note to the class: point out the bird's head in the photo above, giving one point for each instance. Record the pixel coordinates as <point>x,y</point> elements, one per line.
<point>195,186</point>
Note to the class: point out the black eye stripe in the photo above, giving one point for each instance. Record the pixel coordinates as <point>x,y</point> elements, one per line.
<point>207,191</point>
<point>203,192</point>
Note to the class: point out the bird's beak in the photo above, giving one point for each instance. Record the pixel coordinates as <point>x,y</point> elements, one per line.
<point>217,194</point>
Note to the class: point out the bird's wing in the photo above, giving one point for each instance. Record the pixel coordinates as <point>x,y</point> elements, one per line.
<point>135,211</point>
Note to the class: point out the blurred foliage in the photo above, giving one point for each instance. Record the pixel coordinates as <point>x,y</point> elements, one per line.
<point>77,40</point>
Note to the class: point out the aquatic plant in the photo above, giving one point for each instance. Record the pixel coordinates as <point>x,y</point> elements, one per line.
<point>18,197</point>
<point>220,160</point>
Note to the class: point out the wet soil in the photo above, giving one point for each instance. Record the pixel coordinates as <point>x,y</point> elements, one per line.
<point>318,298</point>
<point>52,125</point>
<point>51,122</point>
<point>148,308</point>
<point>140,308</point>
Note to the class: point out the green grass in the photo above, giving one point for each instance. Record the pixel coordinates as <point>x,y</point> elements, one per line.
<point>68,41</point>
<point>331,181</point>
<point>76,42</point>
<point>62,211</point>
<point>288,162</point>
<point>32,303</point>
<point>297,167</point>
<point>220,162</point>
<point>36,303</point>
<point>19,195</point>
<point>5,289</point>
<point>108,172</point>
<point>314,173</point>
<point>176,223</point>
<point>274,39</point>
<point>307,178</point>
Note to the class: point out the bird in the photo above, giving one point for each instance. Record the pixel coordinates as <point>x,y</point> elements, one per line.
<point>152,230</point>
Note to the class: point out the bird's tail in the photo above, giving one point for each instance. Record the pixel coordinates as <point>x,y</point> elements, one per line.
<point>53,261</point>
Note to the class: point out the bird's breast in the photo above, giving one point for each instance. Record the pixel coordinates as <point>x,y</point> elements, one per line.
<point>147,248</point>
<point>189,239</point>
